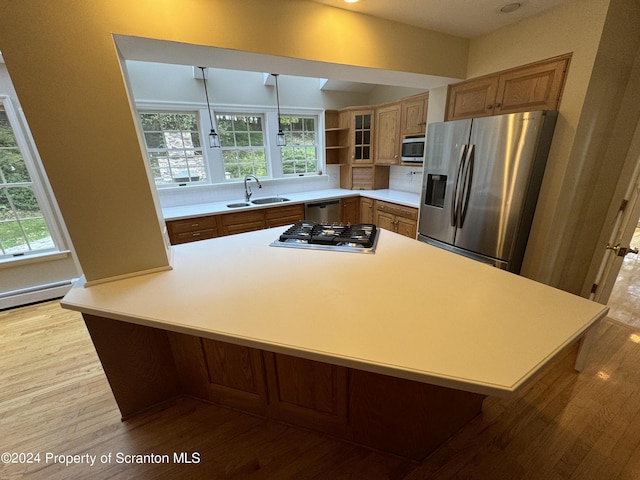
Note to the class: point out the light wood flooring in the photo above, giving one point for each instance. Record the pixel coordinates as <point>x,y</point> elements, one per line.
<point>54,398</point>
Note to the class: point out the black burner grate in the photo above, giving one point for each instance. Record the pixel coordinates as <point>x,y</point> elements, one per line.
<point>358,235</point>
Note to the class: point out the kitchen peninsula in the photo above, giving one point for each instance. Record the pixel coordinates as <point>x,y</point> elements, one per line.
<point>394,350</point>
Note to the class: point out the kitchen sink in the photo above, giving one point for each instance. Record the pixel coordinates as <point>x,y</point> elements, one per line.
<point>262,201</point>
<point>238,205</point>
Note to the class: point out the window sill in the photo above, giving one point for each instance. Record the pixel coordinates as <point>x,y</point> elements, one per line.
<point>34,258</point>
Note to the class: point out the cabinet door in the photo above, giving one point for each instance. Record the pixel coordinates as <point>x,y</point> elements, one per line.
<point>406,227</point>
<point>537,87</point>
<point>385,220</point>
<point>387,135</point>
<point>306,392</point>
<point>362,136</point>
<point>474,98</point>
<point>414,115</point>
<point>366,210</point>
<point>350,210</point>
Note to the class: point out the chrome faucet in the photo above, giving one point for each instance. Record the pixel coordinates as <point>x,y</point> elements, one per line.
<point>247,188</point>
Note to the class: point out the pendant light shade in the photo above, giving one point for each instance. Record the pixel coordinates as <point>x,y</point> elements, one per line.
<point>280,140</point>
<point>214,140</point>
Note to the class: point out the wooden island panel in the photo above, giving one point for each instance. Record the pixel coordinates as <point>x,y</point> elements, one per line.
<point>153,366</point>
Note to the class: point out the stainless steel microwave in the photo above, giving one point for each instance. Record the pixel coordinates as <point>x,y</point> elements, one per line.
<point>413,149</point>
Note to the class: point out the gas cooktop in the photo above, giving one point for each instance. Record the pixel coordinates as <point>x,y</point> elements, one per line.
<point>360,237</point>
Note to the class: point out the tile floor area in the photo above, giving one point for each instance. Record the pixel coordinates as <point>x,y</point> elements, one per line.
<point>624,302</point>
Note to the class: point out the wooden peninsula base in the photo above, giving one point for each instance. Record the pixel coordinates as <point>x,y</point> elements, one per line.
<point>146,366</point>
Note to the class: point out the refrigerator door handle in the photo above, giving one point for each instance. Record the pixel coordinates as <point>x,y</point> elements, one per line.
<point>467,183</point>
<point>454,199</point>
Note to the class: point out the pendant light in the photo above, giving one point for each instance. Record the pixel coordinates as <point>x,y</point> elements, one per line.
<point>280,140</point>
<point>214,140</point>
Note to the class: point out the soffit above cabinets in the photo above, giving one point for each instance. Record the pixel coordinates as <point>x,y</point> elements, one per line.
<point>463,18</point>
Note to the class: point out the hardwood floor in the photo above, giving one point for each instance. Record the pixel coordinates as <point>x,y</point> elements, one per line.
<point>55,399</point>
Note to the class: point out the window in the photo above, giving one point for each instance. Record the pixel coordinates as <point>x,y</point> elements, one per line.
<point>300,155</point>
<point>177,157</point>
<point>173,147</point>
<point>242,145</point>
<point>23,228</point>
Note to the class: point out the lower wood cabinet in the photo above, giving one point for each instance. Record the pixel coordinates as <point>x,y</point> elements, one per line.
<point>275,217</point>
<point>396,218</point>
<point>210,226</point>
<point>350,210</point>
<point>366,210</point>
<point>192,229</point>
<point>242,222</point>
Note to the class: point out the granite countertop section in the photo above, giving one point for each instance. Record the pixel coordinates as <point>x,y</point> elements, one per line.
<point>186,211</point>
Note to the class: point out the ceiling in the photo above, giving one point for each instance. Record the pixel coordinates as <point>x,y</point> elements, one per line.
<point>463,18</point>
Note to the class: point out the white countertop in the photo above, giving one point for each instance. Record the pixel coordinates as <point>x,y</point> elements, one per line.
<point>410,310</point>
<point>403,198</point>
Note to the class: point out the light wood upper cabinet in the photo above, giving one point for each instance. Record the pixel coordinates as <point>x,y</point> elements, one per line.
<point>387,135</point>
<point>414,115</point>
<point>473,98</point>
<point>537,86</point>
<point>360,127</point>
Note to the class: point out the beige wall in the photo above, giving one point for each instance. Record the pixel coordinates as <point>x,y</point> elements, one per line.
<point>67,73</point>
<point>591,100</point>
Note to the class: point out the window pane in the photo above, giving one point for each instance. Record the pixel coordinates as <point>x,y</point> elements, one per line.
<point>299,156</point>
<point>173,147</point>
<point>154,140</point>
<point>12,167</point>
<point>22,225</point>
<point>242,143</point>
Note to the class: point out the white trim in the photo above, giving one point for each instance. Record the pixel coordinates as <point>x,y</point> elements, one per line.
<point>28,258</point>
<point>126,275</point>
<point>39,293</point>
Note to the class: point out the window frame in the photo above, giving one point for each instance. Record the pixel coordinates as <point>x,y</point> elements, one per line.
<point>37,182</point>
<point>213,156</point>
<point>167,149</point>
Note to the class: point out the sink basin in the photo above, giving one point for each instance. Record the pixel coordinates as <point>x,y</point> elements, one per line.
<point>238,205</point>
<point>262,201</point>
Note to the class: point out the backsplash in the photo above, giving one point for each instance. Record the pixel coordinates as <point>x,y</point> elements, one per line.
<point>402,178</point>
<point>406,178</point>
<point>176,197</point>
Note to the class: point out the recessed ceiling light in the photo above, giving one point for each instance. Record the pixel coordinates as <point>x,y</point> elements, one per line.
<point>510,7</point>
<point>351,1</point>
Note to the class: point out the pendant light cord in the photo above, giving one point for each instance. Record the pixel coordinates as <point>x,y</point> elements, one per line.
<point>277,100</point>
<point>206,94</point>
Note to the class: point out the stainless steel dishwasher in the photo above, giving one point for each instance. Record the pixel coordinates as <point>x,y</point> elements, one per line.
<point>326,211</point>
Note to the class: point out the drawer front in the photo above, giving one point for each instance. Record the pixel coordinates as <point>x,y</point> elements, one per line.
<point>256,216</point>
<point>400,210</point>
<point>193,224</point>
<point>194,236</point>
<point>279,214</point>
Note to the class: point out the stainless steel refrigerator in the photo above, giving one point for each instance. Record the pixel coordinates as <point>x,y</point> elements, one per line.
<point>481,180</point>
